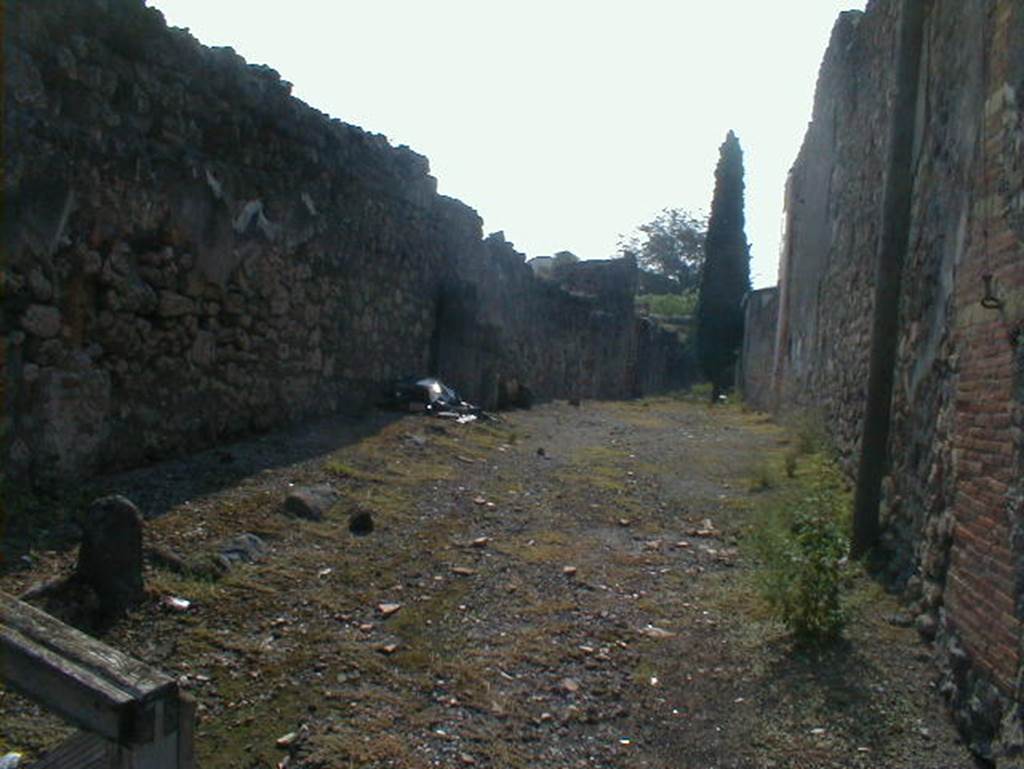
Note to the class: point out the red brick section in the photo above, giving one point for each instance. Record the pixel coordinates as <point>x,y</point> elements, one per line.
<point>981,592</point>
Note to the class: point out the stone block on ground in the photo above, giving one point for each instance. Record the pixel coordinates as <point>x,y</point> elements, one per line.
<point>360,522</point>
<point>244,548</point>
<point>310,502</point>
<point>110,559</point>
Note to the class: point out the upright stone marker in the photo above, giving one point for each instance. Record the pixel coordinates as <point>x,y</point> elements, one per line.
<point>110,559</point>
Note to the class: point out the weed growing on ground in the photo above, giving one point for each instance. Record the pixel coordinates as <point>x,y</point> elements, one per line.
<point>344,470</point>
<point>801,540</point>
<point>807,590</point>
<point>700,392</point>
<point>763,477</point>
<point>810,431</point>
<point>789,463</point>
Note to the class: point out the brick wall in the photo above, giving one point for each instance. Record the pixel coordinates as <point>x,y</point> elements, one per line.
<point>953,501</point>
<point>983,596</point>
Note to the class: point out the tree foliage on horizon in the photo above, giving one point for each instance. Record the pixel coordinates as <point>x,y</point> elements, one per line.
<point>671,244</point>
<point>726,275</point>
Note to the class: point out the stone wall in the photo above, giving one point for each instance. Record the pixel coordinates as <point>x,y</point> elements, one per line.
<point>663,355</point>
<point>832,216</point>
<point>192,253</point>
<point>501,328</point>
<point>756,362</point>
<point>952,501</point>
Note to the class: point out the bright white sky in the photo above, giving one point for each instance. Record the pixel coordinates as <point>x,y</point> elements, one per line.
<point>564,123</point>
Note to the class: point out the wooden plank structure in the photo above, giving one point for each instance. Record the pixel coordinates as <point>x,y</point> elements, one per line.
<point>132,716</point>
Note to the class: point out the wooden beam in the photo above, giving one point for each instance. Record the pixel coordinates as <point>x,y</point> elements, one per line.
<point>83,680</point>
<point>82,751</point>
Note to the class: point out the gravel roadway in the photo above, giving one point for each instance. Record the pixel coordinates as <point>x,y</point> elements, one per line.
<point>566,588</point>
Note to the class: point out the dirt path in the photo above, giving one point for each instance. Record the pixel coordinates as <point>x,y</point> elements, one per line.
<point>563,602</point>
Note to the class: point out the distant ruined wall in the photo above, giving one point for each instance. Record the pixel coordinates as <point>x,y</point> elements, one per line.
<point>660,357</point>
<point>191,254</point>
<point>757,358</point>
<point>953,501</point>
<point>501,326</point>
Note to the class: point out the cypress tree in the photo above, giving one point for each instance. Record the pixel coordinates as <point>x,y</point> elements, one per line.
<point>726,277</point>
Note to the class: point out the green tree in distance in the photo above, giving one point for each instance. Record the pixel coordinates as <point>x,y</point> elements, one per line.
<point>671,244</point>
<point>564,258</point>
<point>726,276</point>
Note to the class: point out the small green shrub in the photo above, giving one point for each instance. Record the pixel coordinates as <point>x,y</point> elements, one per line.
<point>700,392</point>
<point>790,463</point>
<point>812,435</point>
<point>763,478</point>
<point>802,542</point>
<point>805,583</point>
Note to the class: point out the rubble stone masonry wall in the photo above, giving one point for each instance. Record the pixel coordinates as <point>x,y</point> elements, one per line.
<point>833,207</point>
<point>190,254</point>
<point>953,503</point>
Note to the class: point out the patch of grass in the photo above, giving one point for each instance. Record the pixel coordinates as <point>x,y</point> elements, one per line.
<point>385,461</point>
<point>604,455</point>
<point>244,731</point>
<point>531,644</point>
<point>546,547</point>
<point>385,749</point>
<point>416,473</point>
<point>416,623</point>
<point>345,470</point>
<point>810,432</point>
<point>645,669</point>
<point>550,608</point>
<point>790,463</point>
<point>202,639</point>
<point>194,589</point>
<point>672,305</point>
<point>763,478</point>
<point>644,421</point>
<point>700,392</point>
<point>599,468</point>
<point>235,581</point>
